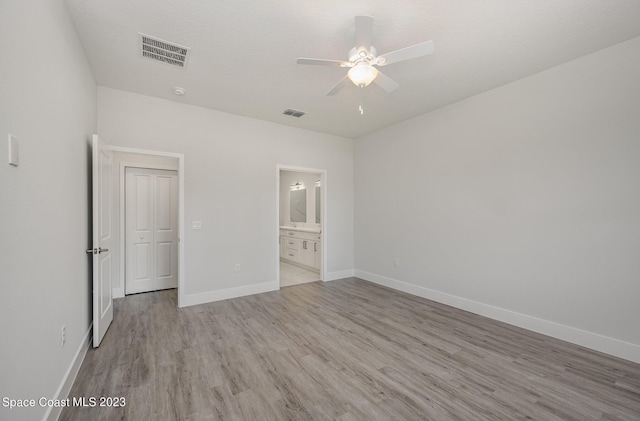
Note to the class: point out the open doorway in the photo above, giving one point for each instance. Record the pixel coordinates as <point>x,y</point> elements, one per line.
<point>301,225</point>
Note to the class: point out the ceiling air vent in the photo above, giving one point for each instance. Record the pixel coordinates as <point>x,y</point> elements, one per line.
<point>163,51</point>
<point>293,113</point>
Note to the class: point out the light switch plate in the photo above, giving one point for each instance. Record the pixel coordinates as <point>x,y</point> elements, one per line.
<point>13,150</point>
<point>196,225</point>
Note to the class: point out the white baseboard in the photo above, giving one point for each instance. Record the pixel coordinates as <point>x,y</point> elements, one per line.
<point>333,276</point>
<point>70,376</point>
<point>225,294</point>
<point>584,338</point>
<point>118,292</point>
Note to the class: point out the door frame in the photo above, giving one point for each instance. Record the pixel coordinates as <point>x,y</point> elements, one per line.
<point>181,231</point>
<point>323,215</point>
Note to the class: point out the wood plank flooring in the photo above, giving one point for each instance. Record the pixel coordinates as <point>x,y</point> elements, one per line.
<point>343,350</point>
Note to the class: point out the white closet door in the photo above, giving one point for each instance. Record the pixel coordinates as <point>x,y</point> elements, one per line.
<point>151,230</point>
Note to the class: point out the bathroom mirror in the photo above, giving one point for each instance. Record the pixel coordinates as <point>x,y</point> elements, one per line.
<point>298,205</point>
<point>318,204</point>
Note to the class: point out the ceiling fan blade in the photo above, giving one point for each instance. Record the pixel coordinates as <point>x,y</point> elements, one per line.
<point>364,31</point>
<point>385,82</point>
<point>407,53</point>
<point>338,87</point>
<point>323,62</point>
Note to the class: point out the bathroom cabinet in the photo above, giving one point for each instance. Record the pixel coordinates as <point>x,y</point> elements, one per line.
<point>301,247</point>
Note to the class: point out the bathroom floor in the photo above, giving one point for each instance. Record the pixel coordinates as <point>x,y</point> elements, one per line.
<point>294,275</point>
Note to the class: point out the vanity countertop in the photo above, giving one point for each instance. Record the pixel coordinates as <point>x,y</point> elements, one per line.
<point>314,230</point>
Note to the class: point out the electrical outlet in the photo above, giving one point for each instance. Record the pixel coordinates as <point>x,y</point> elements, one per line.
<point>63,336</point>
<point>396,262</point>
<point>237,267</point>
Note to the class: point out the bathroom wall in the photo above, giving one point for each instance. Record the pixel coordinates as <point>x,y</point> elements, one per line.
<point>287,179</point>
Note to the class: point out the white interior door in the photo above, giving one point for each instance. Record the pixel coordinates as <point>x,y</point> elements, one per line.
<point>102,176</point>
<point>151,230</point>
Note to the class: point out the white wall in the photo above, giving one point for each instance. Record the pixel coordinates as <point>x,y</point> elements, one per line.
<point>48,100</point>
<point>231,186</point>
<point>522,203</point>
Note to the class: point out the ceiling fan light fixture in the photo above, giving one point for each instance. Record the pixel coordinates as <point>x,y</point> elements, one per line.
<point>362,74</point>
<point>363,57</point>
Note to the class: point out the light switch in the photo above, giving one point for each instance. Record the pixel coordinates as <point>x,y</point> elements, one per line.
<point>196,225</point>
<point>13,150</point>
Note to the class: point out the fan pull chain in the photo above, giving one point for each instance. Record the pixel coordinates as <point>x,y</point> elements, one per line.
<point>361,100</point>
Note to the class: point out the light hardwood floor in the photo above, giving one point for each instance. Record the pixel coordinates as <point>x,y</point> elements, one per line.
<point>344,350</point>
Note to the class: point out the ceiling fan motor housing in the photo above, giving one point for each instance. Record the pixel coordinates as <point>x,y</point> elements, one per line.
<point>355,57</point>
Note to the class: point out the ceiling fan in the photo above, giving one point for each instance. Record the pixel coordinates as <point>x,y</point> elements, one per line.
<point>363,58</point>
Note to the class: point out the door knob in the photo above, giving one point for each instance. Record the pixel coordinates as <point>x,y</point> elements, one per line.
<point>97,251</point>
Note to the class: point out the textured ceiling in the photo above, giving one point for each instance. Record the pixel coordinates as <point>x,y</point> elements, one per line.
<point>243,52</point>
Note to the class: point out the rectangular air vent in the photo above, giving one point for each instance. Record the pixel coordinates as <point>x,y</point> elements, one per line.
<point>163,51</point>
<point>293,113</point>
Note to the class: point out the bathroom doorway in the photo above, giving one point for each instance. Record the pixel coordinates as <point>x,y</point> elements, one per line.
<point>301,225</point>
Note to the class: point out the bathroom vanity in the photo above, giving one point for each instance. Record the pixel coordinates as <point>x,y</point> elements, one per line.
<point>301,247</point>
